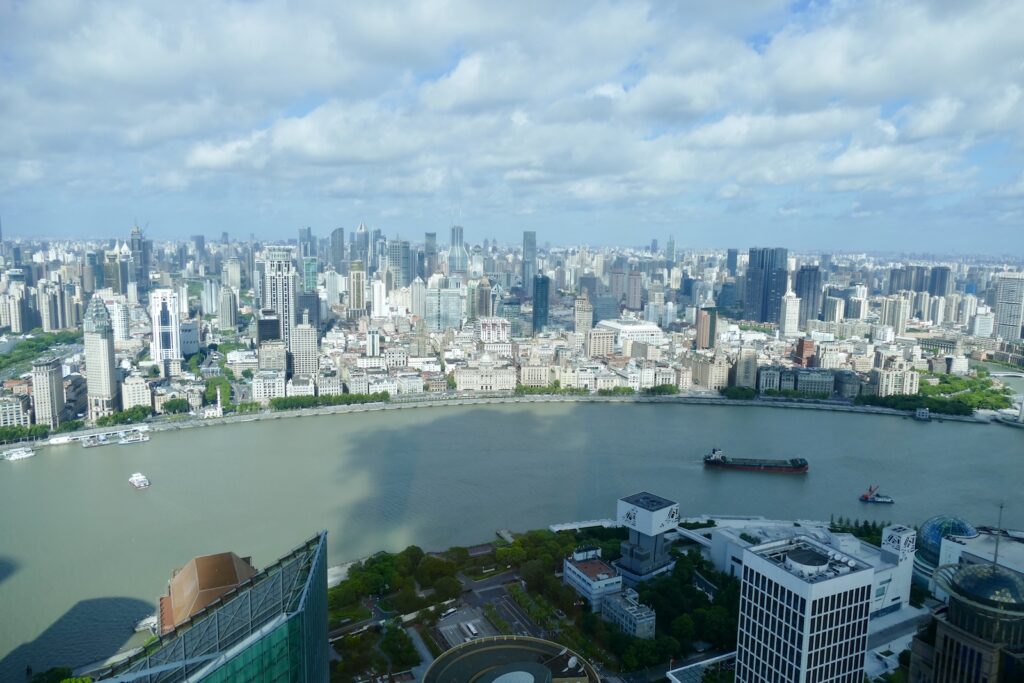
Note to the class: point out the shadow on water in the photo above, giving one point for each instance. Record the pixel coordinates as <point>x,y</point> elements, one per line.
<point>7,567</point>
<point>91,631</point>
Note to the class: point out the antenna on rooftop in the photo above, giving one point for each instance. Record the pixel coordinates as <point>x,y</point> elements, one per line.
<point>999,533</point>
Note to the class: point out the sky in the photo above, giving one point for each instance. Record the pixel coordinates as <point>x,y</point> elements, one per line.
<point>819,125</point>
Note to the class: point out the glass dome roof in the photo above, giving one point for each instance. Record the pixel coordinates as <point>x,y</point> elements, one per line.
<point>931,533</point>
<point>991,585</point>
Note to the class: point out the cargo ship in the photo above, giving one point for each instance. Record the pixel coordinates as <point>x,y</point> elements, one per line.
<point>873,496</point>
<point>716,458</point>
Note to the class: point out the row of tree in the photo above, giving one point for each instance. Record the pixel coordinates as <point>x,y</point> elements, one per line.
<point>297,402</point>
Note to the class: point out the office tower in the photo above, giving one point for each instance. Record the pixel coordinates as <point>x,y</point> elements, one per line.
<point>670,250</point>
<point>937,310</point>
<point>583,314</point>
<point>199,248</point>
<point>443,309</point>
<point>835,309</point>
<point>431,263</point>
<point>49,306</point>
<point>305,351</point>
<point>529,260</point>
<point>745,370</point>
<point>92,273</point>
<point>165,317</point>
<point>895,313</point>
<point>361,246</point>
<point>400,263</point>
<point>227,310</point>
<point>307,244</point>
<point>940,281</point>
<point>373,342</point>
<point>357,288</point>
<point>142,255</point>
<point>588,283</point>
<point>803,614</point>
<point>807,288</point>
<point>766,284</point>
<point>458,257</point>
<point>272,626</point>
<point>338,249</point>
<point>617,285</point>
<point>484,306</point>
<point>418,298</point>
<point>268,326</point>
<point>100,367</point>
<point>541,296</point>
<point>115,272</point>
<point>120,320</point>
<point>47,391</point>
<point>209,300</point>
<point>378,299</point>
<point>789,317</point>
<point>645,553</point>
<point>634,290</point>
<point>732,257</point>
<point>310,270</point>
<point>281,287</point>
<point>231,274</point>
<point>900,280</point>
<point>919,278</point>
<point>979,637</point>
<point>1009,306</point>
<point>377,253</point>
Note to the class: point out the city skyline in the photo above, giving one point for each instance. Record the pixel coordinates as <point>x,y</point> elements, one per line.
<point>887,127</point>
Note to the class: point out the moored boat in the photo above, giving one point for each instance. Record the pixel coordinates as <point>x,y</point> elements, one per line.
<point>718,459</point>
<point>17,453</point>
<point>95,440</point>
<point>133,437</point>
<point>139,480</point>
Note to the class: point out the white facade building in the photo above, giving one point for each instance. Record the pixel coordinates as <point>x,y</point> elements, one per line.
<point>266,385</point>
<point>165,317</point>
<point>591,577</point>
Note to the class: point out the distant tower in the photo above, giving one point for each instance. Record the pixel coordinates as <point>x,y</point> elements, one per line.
<point>356,288</point>
<point>281,288</point>
<point>789,317</point>
<point>458,257</point>
<point>529,260</point>
<point>583,314</point>
<point>338,249</point>
<point>305,353</point>
<point>541,295</point>
<point>100,367</point>
<point>164,315</point>
<point>431,263</point>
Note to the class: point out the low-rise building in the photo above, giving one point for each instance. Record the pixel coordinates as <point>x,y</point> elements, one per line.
<point>485,375</point>
<point>301,385</point>
<point>267,385</point>
<point>15,411</point>
<point>627,612</point>
<point>591,577</point>
<point>135,391</point>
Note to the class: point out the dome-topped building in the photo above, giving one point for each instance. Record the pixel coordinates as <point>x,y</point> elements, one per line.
<point>929,541</point>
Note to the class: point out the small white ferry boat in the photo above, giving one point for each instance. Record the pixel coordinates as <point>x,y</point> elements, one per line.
<point>139,480</point>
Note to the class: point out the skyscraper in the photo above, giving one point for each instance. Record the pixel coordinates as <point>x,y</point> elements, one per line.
<point>789,318</point>
<point>338,249</point>
<point>732,257</point>
<point>670,250</point>
<point>281,287</point>
<point>47,391</point>
<point>142,249</point>
<point>307,244</point>
<point>1009,305</point>
<point>807,287</point>
<point>634,290</point>
<point>458,257</point>
<point>803,614</point>
<point>100,368</point>
<point>431,262</point>
<point>529,260</point>
<point>940,281</point>
<point>400,263</point>
<point>356,288</point>
<point>707,328</point>
<point>361,246</point>
<point>227,311</point>
<point>767,277</point>
<point>583,314</point>
<point>164,316</point>
<point>541,294</point>
<point>305,352</point>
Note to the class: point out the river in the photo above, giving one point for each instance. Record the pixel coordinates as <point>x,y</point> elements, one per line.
<point>82,554</point>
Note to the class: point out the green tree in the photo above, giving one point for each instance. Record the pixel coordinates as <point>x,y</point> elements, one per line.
<point>447,587</point>
<point>176,405</point>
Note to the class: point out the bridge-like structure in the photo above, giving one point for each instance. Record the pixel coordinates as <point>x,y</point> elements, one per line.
<point>1007,374</point>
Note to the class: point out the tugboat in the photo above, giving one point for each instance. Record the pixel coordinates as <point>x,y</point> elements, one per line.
<point>17,454</point>
<point>873,496</point>
<point>716,458</point>
<point>139,481</point>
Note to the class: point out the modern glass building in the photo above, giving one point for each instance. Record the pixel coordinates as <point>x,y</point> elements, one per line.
<point>271,628</point>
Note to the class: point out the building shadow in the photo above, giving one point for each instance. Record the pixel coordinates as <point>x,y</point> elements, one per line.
<point>7,567</point>
<point>89,632</point>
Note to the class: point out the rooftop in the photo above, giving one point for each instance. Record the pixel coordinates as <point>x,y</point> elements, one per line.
<point>510,658</point>
<point>648,501</point>
<point>595,569</point>
<point>809,560</point>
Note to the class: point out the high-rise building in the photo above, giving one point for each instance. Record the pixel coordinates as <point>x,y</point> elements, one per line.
<point>361,246</point>
<point>1009,306</point>
<point>807,287</point>
<point>100,368</point>
<point>895,312</point>
<point>227,311</point>
<point>634,290</point>
<point>142,250</point>
<point>670,250</point>
<point>310,270</point>
<point>400,263</point>
<point>484,306</point>
<point>979,636</point>
<point>803,614</point>
<point>529,260</point>
<point>199,248</point>
<point>305,348</point>
<point>617,285</point>
<point>541,296</point>
<point>418,298</point>
<point>940,281</point>
<point>707,328</point>
<point>165,318</point>
<point>281,287</point>
<point>443,309</point>
<point>231,274</point>
<point>766,283</point>
<point>583,314</point>
<point>430,261</point>
<point>307,243</point>
<point>732,257</point>
<point>458,257</point>
<point>835,309</point>
<point>272,626</point>
<point>789,316</point>
<point>338,249</point>
<point>48,391</point>
<point>356,288</point>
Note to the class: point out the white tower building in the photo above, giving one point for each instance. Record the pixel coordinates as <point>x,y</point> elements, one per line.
<point>281,288</point>
<point>803,614</point>
<point>164,315</point>
<point>1009,308</point>
<point>789,316</point>
<point>305,354</point>
<point>48,391</point>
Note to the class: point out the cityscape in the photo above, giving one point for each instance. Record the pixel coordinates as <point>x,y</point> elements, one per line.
<point>428,444</point>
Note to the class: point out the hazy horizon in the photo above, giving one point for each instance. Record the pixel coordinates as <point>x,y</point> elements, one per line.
<point>836,126</point>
